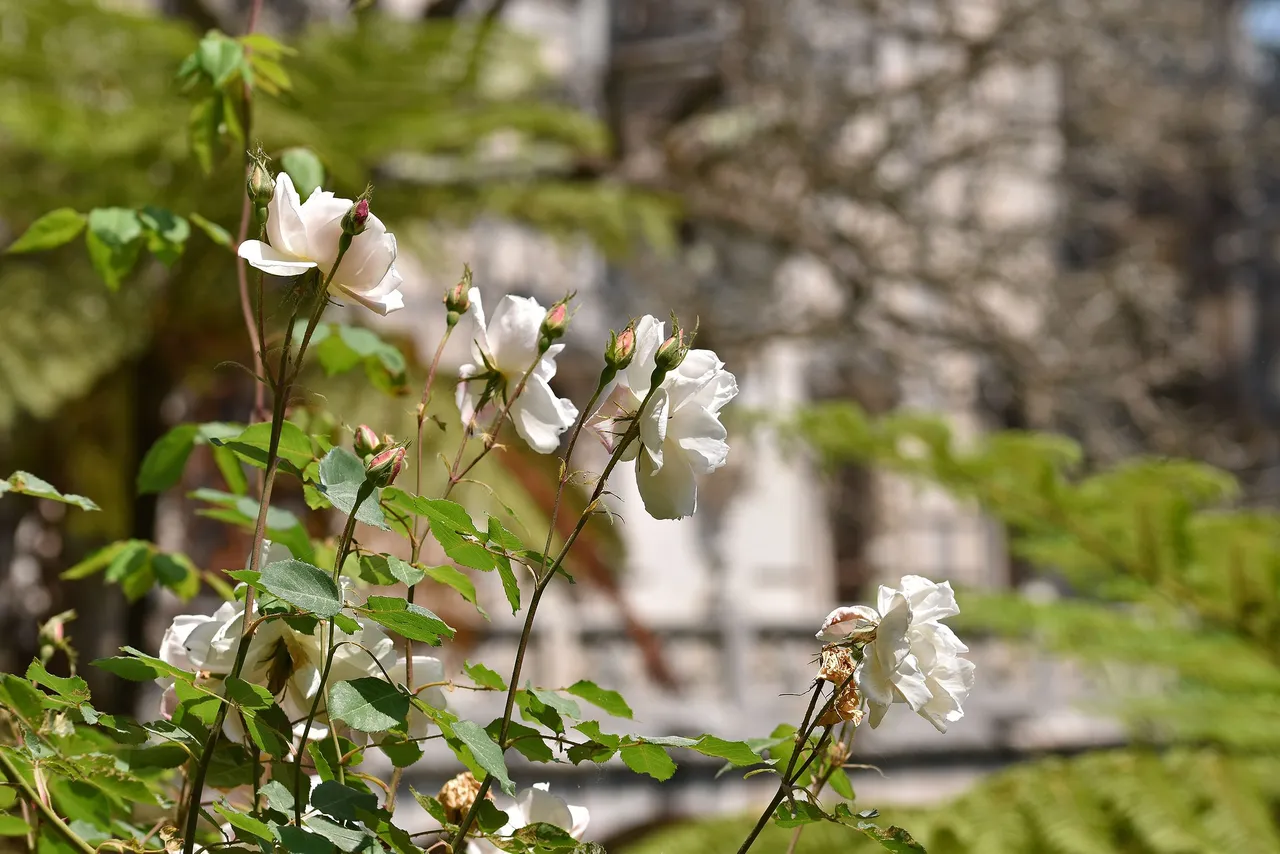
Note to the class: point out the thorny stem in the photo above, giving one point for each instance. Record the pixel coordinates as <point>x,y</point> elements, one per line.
<point>792,774</point>
<point>633,432</point>
<point>284,385</point>
<point>15,777</point>
<point>845,733</point>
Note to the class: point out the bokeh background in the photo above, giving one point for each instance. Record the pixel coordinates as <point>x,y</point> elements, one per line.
<point>1000,281</point>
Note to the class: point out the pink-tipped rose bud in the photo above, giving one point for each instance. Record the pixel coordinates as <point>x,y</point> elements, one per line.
<point>366,441</point>
<point>672,351</point>
<point>260,185</point>
<point>384,467</point>
<point>621,347</point>
<point>458,299</point>
<point>557,319</point>
<point>353,223</point>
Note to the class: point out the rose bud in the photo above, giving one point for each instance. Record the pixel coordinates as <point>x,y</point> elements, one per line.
<point>384,467</point>
<point>366,441</point>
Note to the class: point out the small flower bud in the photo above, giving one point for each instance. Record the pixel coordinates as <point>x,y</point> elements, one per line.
<point>554,324</point>
<point>384,466</point>
<point>354,221</point>
<point>672,351</point>
<point>458,299</point>
<point>621,348</point>
<point>366,441</point>
<point>260,185</point>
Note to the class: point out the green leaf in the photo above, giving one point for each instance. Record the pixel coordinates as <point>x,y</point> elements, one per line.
<point>455,578</point>
<point>114,239</point>
<point>49,231</point>
<point>342,476</point>
<point>486,752</point>
<point>342,802</point>
<point>163,465</point>
<point>307,587</point>
<point>167,233</point>
<point>648,759</point>
<point>347,839</point>
<point>213,231</point>
<point>484,677</point>
<point>510,584</point>
<point>525,740</point>
<point>563,705</point>
<point>247,694</point>
<point>411,621</point>
<point>840,783</point>
<point>11,825</point>
<point>489,818</point>
<point>253,444</point>
<point>73,689</point>
<point>22,697</point>
<point>219,58</point>
<point>25,483</point>
<point>298,840</point>
<point>737,752</point>
<point>368,704</point>
<point>176,572</point>
<point>610,701</point>
<point>797,813</point>
<point>246,823</point>
<point>892,838</point>
<point>433,807</point>
<point>304,168</point>
<point>279,796</point>
<point>546,837</point>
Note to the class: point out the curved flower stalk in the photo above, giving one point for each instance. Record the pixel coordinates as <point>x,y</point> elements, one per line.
<point>536,805</point>
<point>913,659</point>
<point>502,349</point>
<point>681,437</point>
<point>309,234</point>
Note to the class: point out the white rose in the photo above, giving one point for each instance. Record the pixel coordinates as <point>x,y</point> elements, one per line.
<point>509,342</point>
<point>681,436</point>
<point>286,661</point>
<point>306,235</point>
<point>533,806</point>
<point>914,659</point>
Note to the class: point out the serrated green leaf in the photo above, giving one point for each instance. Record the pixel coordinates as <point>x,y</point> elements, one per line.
<point>455,578</point>
<point>246,823</point>
<point>610,701</point>
<point>411,621</point>
<point>796,813</point>
<point>563,705</point>
<point>342,477</point>
<point>347,839</point>
<point>22,697</point>
<point>484,677</point>
<point>648,759</point>
<point>253,444</point>
<point>304,586</point>
<point>525,740</point>
<point>486,752</point>
<point>368,704</point>
<point>737,752</point>
<point>342,802</point>
<point>49,231</point>
<point>25,483</point>
<point>546,837</point>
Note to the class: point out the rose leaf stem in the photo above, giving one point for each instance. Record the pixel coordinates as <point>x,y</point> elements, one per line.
<point>544,581</point>
<point>46,811</point>
<point>284,386</point>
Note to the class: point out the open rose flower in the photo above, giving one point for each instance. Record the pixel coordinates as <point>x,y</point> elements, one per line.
<point>913,659</point>
<point>502,349</point>
<point>285,661</point>
<point>533,806</point>
<point>305,235</point>
<point>681,436</point>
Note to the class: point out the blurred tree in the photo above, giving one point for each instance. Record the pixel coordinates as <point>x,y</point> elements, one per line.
<point>1177,610</point>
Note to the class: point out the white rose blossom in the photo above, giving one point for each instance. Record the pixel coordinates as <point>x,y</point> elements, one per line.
<point>508,342</point>
<point>286,661</point>
<point>306,235</point>
<point>914,659</point>
<point>532,806</point>
<point>681,436</point>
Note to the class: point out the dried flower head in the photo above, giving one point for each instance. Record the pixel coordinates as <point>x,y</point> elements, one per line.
<point>458,794</point>
<point>838,666</point>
